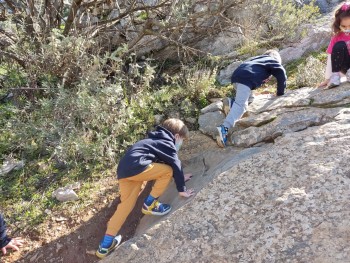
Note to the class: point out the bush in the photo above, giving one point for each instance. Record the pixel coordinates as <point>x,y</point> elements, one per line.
<point>310,73</point>
<point>68,133</point>
<point>277,22</point>
<point>77,107</point>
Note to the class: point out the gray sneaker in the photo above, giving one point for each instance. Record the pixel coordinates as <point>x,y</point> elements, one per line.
<point>348,75</point>
<point>334,81</point>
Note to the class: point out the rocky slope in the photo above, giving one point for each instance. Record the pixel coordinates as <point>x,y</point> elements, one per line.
<point>283,196</point>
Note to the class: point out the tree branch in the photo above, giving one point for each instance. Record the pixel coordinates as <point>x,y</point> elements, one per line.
<point>11,5</point>
<point>14,57</point>
<point>73,11</point>
<point>8,35</point>
<point>130,11</point>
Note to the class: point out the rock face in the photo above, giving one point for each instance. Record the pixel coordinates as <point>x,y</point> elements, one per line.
<point>268,117</point>
<point>286,201</point>
<point>318,37</point>
<point>326,5</point>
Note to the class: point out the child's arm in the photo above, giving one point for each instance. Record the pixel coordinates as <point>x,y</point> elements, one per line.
<point>328,67</point>
<point>328,72</point>
<point>5,241</point>
<point>14,244</point>
<point>279,73</point>
<point>168,155</point>
<point>189,192</point>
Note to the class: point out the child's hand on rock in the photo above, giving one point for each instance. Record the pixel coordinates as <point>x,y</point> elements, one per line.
<point>14,244</point>
<point>187,194</point>
<point>323,83</point>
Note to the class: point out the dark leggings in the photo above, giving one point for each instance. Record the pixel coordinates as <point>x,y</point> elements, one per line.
<point>340,57</point>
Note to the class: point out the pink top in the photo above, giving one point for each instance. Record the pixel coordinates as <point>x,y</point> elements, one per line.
<point>339,37</point>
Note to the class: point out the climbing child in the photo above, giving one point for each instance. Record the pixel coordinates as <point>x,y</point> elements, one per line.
<point>338,61</point>
<point>250,75</point>
<point>154,158</point>
<point>7,242</point>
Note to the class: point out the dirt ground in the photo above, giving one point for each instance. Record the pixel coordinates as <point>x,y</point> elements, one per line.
<point>74,238</point>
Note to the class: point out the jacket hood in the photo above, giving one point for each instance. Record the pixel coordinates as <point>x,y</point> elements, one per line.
<point>162,133</point>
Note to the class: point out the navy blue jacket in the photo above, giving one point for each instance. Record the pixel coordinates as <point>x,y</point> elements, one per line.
<point>159,147</point>
<point>4,239</point>
<point>257,70</point>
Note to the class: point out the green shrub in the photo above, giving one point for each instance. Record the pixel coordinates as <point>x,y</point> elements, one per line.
<point>310,73</point>
<point>85,106</point>
<point>277,22</point>
<point>70,133</point>
<point>307,71</point>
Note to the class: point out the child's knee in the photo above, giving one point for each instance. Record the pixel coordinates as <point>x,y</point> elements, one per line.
<point>242,104</point>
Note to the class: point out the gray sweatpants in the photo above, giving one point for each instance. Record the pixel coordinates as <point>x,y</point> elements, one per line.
<point>239,106</point>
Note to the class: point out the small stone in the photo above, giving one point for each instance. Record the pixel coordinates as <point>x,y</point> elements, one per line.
<point>58,247</point>
<point>191,120</point>
<point>47,211</point>
<point>65,194</point>
<point>134,247</point>
<point>60,219</point>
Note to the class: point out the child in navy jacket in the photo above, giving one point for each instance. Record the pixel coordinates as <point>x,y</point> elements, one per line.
<point>154,158</point>
<point>250,75</point>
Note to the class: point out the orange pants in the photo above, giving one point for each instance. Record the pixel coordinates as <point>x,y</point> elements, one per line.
<point>130,188</point>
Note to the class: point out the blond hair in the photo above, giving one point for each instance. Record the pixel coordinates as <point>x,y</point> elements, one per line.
<point>176,126</point>
<point>274,54</point>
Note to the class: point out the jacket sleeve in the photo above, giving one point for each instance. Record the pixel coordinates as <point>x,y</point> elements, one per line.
<point>279,73</point>
<point>331,44</point>
<point>168,155</point>
<point>328,72</point>
<point>4,239</point>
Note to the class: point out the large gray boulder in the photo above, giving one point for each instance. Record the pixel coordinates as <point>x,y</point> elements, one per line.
<point>286,201</point>
<point>209,121</point>
<point>325,6</point>
<point>318,37</point>
<point>269,117</point>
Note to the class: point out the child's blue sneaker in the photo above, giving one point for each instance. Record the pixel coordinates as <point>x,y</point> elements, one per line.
<point>227,104</point>
<point>156,208</point>
<point>221,138</point>
<point>107,244</point>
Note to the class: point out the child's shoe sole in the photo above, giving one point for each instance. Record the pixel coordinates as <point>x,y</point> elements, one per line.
<point>331,86</point>
<point>147,212</point>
